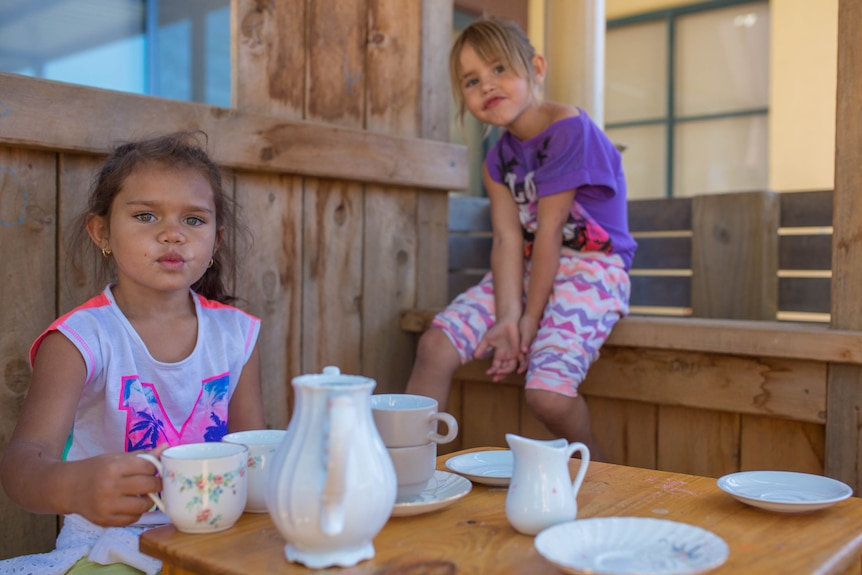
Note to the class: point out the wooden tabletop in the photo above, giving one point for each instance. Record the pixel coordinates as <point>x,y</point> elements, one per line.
<point>473,536</point>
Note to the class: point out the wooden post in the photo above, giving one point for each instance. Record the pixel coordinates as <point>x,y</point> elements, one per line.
<point>735,256</point>
<point>844,386</point>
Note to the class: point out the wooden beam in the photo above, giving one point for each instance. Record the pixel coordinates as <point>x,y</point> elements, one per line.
<point>731,337</point>
<point>843,440</point>
<point>42,114</point>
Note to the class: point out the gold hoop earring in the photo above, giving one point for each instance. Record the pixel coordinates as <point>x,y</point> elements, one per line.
<point>212,261</point>
<point>106,252</point>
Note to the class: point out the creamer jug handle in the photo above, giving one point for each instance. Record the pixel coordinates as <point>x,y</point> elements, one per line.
<point>582,468</point>
<point>341,422</point>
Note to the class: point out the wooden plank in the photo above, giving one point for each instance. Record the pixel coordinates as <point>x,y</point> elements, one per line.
<point>472,252</point>
<point>270,282</point>
<point>490,402</point>
<point>76,172</point>
<point>663,253</point>
<point>432,253</point>
<point>28,226</point>
<point>805,252</point>
<point>661,291</point>
<point>697,441</point>
<point>57,116</point>
<point>469,214</point>
<point>661,214</point>
<point>734,337</point>
<point>336,82</point>
<point>735,256</point>
<point>845,398</point>
<point>390,240</point>
<point>388,286</point>
<point>802,209</point>
<point>268,57</point>
<point>804,294</point>
<point>331,276</point>
<point>769,443</point>
<point>785,388</point>
<point>626,430</point>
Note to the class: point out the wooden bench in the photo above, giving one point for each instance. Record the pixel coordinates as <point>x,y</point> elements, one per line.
<point>678,388</point>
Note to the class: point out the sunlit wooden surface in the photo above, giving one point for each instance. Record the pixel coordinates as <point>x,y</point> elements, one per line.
<point>473,535</point>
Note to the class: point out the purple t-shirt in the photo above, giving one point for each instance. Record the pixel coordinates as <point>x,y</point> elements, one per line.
<point>572,153</point>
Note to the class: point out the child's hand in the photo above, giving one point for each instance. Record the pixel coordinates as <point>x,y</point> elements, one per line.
<point>528,328</point>
<point>111,490</point>
<point>502,341</point>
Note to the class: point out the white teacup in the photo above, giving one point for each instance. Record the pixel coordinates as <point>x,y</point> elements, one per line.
<point>204,485</point>
<point>261,444</point>
<point>414,467</point>
<point>405,420</point>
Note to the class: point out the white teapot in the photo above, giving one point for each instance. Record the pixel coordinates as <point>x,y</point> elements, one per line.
<point>331,486</point>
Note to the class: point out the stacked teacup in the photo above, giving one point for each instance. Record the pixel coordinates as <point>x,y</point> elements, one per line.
<point>408,426</point>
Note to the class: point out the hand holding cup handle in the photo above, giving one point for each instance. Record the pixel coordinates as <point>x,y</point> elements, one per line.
<point>158,464</point>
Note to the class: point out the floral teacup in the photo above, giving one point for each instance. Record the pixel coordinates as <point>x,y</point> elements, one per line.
<point>204,485</point>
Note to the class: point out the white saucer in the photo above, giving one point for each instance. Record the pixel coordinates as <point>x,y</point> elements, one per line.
<point>443,489</point>
<point>488,467</point>
<point>631,545</point>
<point>784,491</point>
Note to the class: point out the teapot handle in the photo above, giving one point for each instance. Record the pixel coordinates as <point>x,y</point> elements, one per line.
<point>341,415</point>
<point>582,467</point>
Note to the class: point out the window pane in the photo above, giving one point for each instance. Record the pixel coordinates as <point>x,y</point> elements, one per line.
<point>643,159</point>
<point>110,44</point>
<point>722,60</point>
<point>636,72</point>
<point>727,155</point>
<point>98,42</point>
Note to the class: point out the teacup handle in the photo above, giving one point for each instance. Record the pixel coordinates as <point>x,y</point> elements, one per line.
<point>451,428</point>
<point>154,460</point>
<point>582,468</point>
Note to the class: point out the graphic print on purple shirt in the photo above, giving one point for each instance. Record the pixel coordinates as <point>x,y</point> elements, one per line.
<point>580,232</point>
<point>148,425</point>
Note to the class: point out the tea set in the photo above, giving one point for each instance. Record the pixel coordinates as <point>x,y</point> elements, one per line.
<point>349,460</point>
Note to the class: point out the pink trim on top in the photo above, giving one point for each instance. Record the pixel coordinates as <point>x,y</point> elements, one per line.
<point>100,300</point>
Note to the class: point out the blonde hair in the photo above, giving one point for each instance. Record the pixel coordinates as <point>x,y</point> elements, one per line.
<point>493,39</point>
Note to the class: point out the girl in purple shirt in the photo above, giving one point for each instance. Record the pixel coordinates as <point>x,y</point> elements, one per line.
<point>561,246</point>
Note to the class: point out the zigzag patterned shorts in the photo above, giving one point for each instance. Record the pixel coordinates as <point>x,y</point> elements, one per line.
<point>591,293</point>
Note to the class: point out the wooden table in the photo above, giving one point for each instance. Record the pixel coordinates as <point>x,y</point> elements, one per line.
<point>473,535</point>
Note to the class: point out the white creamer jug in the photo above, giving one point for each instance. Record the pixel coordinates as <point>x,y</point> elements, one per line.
<point>541,492</point>
<point>331,486</point>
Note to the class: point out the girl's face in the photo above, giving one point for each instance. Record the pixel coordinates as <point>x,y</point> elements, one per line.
<point>162,229</point>
<point>494,93</point>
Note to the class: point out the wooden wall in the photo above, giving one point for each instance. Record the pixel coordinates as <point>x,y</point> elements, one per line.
<point>336,148</point>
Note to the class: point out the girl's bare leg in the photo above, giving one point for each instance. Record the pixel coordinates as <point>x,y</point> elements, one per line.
<point>436,361</point>
<point>566,417</point>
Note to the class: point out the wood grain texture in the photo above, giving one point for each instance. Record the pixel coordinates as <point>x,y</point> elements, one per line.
<point>270,282</point>
<point>843,442</point>
<point>473,535</point>
<point>785,388</point>
<point>734,249</point>
<point>28,227</point>
<point>332,276</point>
<point>769,443</point>
<point>76,173</point>
<point>697,441</point>
<point>626,430</point>
<point>39,117</point>
<point>268,57</point>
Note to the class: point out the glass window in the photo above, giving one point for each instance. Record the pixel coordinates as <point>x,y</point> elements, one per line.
<point>705,129</point>
<point>176,49</point>
<point>636,72</point>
